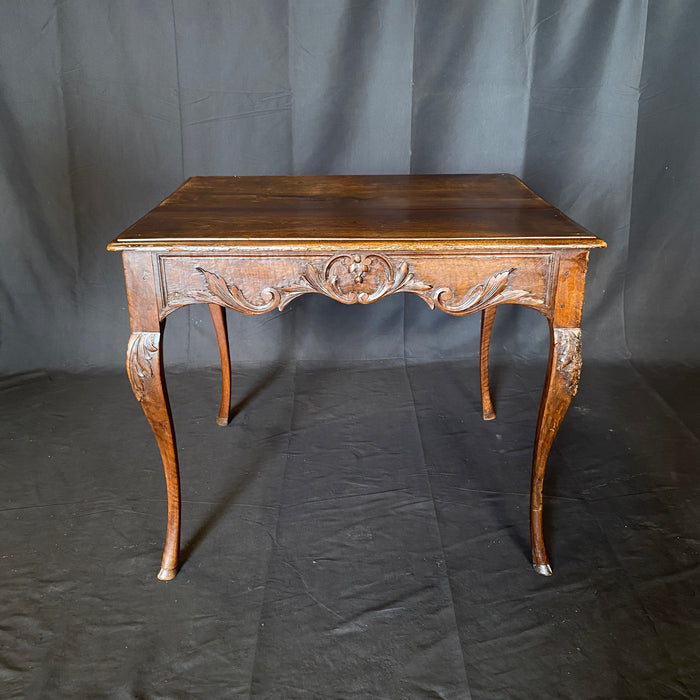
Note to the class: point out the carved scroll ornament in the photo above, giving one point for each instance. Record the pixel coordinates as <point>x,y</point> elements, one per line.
<point>142,348</point>
<point>567,342</point>
<point>386,278</point>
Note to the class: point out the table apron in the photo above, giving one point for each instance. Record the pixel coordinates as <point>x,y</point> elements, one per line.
<point>457,284</point>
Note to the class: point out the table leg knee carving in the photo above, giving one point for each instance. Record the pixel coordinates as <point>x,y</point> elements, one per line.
<point>145,369</point>
<point>563,371</point>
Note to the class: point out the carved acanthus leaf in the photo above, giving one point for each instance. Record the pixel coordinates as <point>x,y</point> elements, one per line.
<point>142,348</point>
<point>387,280</point>
<point>232,296</point>
<point>492,291</point>
<point>567,343</point>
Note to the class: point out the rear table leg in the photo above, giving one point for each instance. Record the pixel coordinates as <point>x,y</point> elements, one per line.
<point>487,317</point>
<point>218,315</point>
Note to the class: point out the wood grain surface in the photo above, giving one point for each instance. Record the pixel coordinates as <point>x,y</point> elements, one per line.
<point>373,209</point>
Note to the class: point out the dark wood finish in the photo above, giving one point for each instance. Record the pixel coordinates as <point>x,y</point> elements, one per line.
<point>462,243</point>
<point>487,318</point>
<point>417,212</point>
<point>145,369</point>
<point>218,316</point>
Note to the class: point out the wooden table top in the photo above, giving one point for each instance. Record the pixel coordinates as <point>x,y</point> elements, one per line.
<point>375,211</point>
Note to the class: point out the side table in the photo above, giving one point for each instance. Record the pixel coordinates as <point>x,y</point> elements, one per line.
<point>462,243</point>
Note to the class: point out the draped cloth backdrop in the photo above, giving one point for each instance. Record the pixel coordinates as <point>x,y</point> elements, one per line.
<point>106,107</point>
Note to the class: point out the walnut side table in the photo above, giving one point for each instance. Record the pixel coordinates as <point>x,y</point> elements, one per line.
<point>462,243</point>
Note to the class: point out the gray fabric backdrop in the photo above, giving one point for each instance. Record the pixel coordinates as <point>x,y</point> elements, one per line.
<point>106,107</point>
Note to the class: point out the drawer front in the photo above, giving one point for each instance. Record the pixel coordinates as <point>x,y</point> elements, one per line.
<point>256,284</point>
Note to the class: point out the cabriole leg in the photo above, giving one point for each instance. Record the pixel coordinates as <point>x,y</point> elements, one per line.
<point>145,369</point>
<point>218,315</point>
<point>487,317</point>
<point>563,371</point>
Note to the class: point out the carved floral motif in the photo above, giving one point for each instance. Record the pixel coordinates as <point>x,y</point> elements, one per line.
<point>326,280</point>
<point>567,342</point>
<point>386,278</point>
<point>358,268</point>
<point>142,348</point>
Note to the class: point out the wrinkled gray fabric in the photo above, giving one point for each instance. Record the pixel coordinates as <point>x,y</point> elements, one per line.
<point>107,107</point>
<point>357,531</point>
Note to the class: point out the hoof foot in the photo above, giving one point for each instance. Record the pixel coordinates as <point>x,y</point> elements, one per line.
<point>167,574</point>
<point>222,420</point>
<point>543,569</point>
<point>489,415</point>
